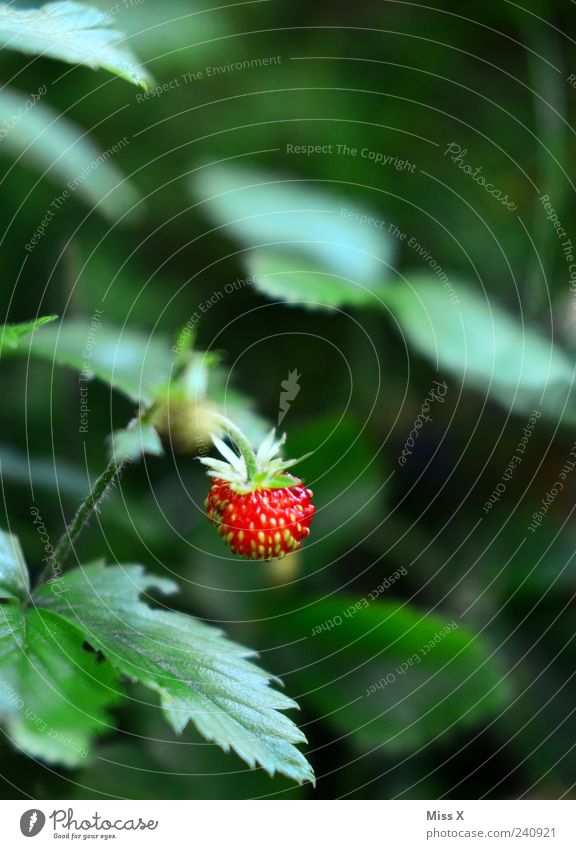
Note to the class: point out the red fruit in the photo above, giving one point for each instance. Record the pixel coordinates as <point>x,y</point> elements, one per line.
<point>260,511</point>
<point>264,523</point>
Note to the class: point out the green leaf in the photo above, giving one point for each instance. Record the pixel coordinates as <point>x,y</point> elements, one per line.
<point>14,582</point>
<point>161,33</point>
<point>64,152</point>
<point>53,692</point>
<point>129,361</point>
<point>10,334</point>
<point>138,366</point>
<point>262,209</point>
<point>72,32</point>
<point>136,439</point>
<point>475,340</point>
<point>299,280</point>
<point>200,675</point>
<point>368,667</point>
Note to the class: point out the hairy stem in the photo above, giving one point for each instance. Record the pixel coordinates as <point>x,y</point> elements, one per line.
<point>106,480</point>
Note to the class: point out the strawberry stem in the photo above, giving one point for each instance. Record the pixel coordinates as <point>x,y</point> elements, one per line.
<point>241,442</point>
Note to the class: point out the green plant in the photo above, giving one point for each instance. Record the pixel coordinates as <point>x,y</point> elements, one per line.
<point>66,643</point>
<point>345,243</point>
<point>260,511</point>
<point>81,35</point>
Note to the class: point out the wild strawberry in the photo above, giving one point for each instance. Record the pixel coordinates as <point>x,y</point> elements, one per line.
<point>260,511</point>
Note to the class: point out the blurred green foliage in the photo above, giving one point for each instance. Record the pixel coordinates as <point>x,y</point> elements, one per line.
<point>256,248</point>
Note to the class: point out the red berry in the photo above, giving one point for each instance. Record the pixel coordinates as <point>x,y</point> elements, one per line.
<point>264,523</point>
<point>260,511</point>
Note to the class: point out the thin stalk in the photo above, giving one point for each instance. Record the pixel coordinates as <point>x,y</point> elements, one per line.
<point>104,483</point>
<point>66,543</point>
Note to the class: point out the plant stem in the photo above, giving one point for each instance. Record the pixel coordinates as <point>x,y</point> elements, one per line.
<point>106,480</point>
<point>242,444</point>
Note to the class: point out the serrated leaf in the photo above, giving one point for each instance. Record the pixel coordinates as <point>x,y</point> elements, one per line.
<point>14,581</point>
<point>200,675</point>
<point>62,151</point>
<point>54,694</point>
<point>484,347</point>
<point>135,440</point>
<point>389,676</point>
<point>10,334</point>
<point>299,280</point>
<point>262,209</point>
<point>71,32</point>
<point>126,360</point>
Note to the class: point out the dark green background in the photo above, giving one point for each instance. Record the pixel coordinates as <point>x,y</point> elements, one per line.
<point>406,80</point>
